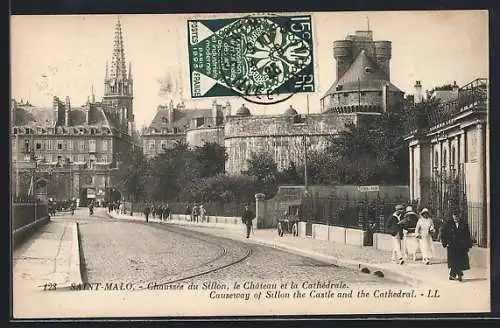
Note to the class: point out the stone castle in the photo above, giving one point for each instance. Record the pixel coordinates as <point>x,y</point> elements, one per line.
<point>362,89</point>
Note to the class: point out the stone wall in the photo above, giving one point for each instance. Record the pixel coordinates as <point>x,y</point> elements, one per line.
<point>372,99</point>
<point>199,136</point>
<point>279,135</point>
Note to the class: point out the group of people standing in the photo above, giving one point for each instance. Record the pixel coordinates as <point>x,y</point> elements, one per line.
<point>197,213</point>
<point>61,205</point>
<point>411,231</point>
<point>116,206</point>
<point>157,210</point>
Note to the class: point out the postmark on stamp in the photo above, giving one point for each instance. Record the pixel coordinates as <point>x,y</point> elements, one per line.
<point>265,59</point>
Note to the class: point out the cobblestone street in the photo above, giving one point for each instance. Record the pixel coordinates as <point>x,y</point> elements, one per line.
<point>134,252</point>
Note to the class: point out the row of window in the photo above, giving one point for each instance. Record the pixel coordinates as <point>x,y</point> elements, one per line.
<point>82,158</point>
<point>81,145</point>
<point>62,130</point>
<point>361,93</point>
<point>162,145</point>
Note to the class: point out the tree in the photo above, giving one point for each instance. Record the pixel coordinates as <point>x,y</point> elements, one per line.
<point>290,175</point>
<point>371,152</point>
<point>211,158</point>
<point>263,167</point>
<point>224,188</point>
<point>130,167</point>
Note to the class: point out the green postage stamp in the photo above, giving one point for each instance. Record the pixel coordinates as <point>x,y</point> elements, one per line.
<point>251,56</point>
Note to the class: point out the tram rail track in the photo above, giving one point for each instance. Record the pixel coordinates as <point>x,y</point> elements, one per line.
<point>230,253</point>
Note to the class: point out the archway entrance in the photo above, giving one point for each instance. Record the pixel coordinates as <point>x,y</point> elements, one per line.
<point>41,189</point>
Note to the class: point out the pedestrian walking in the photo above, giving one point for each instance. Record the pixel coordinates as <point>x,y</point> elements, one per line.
<point>423,231</point>
<point>394,227</point>
<point>247,218</point>
<point>410,242</point>
<point>455,236</point>
<point>166,212</point>
<point>160,211</point>
<point>147,210</point>
<point>196,212</point>
<point>203,213</point>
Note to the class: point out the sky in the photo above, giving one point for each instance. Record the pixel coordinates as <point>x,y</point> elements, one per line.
<point>66,55</point>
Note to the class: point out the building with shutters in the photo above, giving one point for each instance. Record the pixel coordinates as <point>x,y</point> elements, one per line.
<point>71,151</point>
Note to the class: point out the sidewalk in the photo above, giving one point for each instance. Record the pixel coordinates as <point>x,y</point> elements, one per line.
<point>354,257</point>
<point>48,259</point>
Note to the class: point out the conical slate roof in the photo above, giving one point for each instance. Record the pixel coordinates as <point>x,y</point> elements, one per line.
<point>363,74</point>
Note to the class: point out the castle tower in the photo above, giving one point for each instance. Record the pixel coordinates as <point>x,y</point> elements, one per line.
<point>363,81</point>
<point>118,85</point>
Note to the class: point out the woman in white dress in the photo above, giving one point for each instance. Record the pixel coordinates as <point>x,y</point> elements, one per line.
<point>423,231</point>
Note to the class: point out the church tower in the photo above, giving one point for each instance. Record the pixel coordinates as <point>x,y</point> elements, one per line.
<point>118,84</point>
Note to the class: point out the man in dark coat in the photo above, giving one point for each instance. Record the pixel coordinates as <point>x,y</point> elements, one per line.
<point>247,218</point>
<point>455,236</point>
<point>147,210</point>
<point>166,212</point>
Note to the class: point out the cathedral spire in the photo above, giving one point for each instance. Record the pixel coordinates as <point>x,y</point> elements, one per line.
<point>106,76</point>
<point>130,70</point>
<point>118,66</point>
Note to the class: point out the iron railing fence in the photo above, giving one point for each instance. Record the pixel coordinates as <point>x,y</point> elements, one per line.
<point>213,209</point>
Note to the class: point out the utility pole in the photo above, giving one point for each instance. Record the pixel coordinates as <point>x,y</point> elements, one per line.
<point>307,95</point>
<point>359,93</point>
<point>17,164</point>
<point>304,137</point>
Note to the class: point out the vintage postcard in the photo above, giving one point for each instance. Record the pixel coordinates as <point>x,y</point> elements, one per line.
<point>250,164</point>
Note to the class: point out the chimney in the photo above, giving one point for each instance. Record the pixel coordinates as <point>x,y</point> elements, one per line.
<point>87,110</point>
<point>455,89</point>
<point>228,109</point>
<point>67,108</point>
<point>171,110</point>
<point>418,92</point>
<point>55,108</point>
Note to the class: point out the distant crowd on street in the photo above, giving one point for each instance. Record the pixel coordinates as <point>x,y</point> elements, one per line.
<point>159,210</point>
<point>412,232</point>
<point>61,205</point>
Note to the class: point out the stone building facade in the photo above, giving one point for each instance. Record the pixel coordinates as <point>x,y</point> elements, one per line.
<point>449,157</point>
<point>286,137</point>
<point>71,150</point>
<point>195,126</point>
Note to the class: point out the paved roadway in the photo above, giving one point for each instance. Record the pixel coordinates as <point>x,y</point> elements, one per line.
<point>136,252</point>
